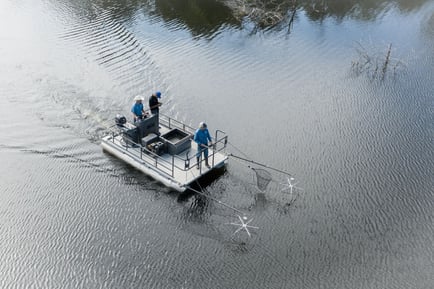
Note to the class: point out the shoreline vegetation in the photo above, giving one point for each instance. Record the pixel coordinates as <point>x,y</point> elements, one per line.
<point>264,13</point>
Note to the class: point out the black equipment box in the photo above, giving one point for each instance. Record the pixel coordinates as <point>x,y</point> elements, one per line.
<point>157,147</point>
<point>177,141</point>
<point>150,138</point>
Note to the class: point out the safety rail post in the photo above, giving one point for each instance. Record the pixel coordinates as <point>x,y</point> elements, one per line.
<point>213,154</point>
<point>173,166</point>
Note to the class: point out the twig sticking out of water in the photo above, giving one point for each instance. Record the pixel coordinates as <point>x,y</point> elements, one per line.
<point>374,64</point>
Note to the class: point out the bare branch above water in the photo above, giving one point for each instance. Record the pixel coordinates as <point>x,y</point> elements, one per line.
<point>376,65</point>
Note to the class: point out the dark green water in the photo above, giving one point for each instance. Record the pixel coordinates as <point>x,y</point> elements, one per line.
<point>308,97</point>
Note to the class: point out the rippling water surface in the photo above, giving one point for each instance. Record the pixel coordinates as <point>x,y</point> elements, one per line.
<point>308,97</point>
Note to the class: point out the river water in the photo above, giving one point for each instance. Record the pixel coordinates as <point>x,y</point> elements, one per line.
<point>311,96</point>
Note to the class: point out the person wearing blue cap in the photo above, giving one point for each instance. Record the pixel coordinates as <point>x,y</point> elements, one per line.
<point>154,104</point>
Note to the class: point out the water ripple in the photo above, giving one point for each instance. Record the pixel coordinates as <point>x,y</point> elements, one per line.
<point>117,50</point>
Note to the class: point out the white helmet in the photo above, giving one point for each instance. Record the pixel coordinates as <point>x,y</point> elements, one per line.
<point>138,97</point>
<point>202,125</point>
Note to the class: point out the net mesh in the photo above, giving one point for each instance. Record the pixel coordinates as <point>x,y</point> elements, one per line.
<point>263,178</point>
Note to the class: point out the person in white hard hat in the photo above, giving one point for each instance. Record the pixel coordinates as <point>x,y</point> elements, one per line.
<point>137,109</point>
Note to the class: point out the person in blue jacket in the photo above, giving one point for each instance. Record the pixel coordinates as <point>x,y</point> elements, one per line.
<point>137,109</point>
<point>201,137</point>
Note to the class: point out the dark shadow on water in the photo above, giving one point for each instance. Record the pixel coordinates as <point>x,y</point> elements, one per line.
<point>201,184</point>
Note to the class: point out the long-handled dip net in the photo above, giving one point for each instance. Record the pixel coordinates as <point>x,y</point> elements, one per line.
<point>286,189</point>
<point>263,178</point>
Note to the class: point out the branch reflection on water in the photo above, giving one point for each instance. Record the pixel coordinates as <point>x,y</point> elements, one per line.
<point>205,17</point>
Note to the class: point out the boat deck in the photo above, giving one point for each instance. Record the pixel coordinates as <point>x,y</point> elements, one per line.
<point>178,170</point>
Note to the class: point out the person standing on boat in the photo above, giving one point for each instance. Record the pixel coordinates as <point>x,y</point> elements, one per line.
<point>201,137</point>
<point>154,104</point>
<point>137,109</point>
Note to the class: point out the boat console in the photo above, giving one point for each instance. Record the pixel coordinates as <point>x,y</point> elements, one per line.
<point>135,132</point>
